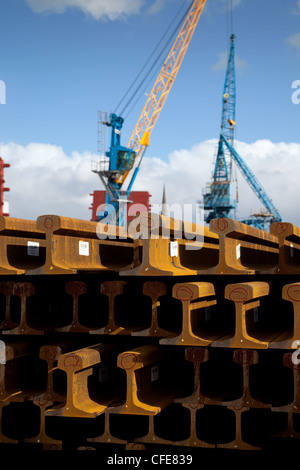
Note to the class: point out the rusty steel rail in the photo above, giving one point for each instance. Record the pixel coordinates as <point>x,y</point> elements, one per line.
<point>75,289</point>
<point>197,356</point>
<point>291,409</point>
<point>22,246</point>
<point>42,437</point>
<point>171,247</point>
<point>194,296</point>
<point>193,439</point>
<point>106,437</point>
<point>290,432</point>
<point>74,245</point>
<point>50,353</point>
<point>151,437</point>
<point>290,360</point>
<point>289,247</point>
<point>7,289</point>
<point>112,289</point>
<point>246,358</point>
<point>10,388</point>
<point>244,249</point>
<point>147,391</point>
<point>290,340</point>
<point>155,290</point>
<point>23,290</point>
<point>78,365</point>
<point>246,297</point>
<point>238,442</point>
<point>145,396</point>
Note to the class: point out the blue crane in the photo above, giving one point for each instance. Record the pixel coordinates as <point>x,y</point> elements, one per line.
<point>217,199</point>
<point>123,162</point>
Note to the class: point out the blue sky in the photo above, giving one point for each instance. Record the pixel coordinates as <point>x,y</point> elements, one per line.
<point>64,60</point>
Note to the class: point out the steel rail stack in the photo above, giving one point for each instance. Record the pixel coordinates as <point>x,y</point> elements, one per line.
<point>167,334</point>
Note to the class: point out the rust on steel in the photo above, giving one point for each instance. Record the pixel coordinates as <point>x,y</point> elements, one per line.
<point>107,436</point>
<point>244,249</point>
<point>7,289</point>
<point>23,290</point>
<point>289,247</point>
<point>197,356</point>
<point>50,353</point>
<point>238,442</point>
<point>9,387</point>
<point>290,432</point>
<point>22,245</point>
<point>78,365</point>
<point>112,289</point>
<point>144,395</point>
<point>154,290</point>
<point>74,245</point>
<point>246,296</point>
<point>75,289</point>
<point>151,437</point>
<point>291,360</point>
<point>194,296</point>
<point>42,437</point>
<point>290,293</point>
<point>196,247</point>
<point>246,358</point>
<point>193,439</point>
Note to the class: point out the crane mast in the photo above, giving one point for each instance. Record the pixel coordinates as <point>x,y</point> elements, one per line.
<point>121,161</point>
<point>217,199</point>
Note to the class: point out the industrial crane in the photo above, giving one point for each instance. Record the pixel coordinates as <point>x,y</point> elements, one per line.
<point>120,161</point>
<point>217,198</point>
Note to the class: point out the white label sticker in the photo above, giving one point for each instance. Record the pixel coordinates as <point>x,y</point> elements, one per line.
<point>33,248</point>
<point>173,248</point>
<point>2,353</point>
<point>154,373</point>
<point>103,374</point>
<point>84,248</point>
<point>238,251</point>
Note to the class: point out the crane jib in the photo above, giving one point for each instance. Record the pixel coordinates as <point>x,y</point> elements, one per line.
<point>115,177</point>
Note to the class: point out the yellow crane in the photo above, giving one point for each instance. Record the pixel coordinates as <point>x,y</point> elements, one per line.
<point>121,160</point>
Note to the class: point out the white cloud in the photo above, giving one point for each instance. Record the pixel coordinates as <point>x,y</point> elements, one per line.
<point>294,40</point>
<point>157,6</point>
<point>187,172</point>
<point>297,10</point>
<point>221,63</point>
<point>98,9</point>
<point>44,180</point>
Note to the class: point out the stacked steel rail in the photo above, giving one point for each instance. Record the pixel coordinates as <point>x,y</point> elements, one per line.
<point>168,333</point>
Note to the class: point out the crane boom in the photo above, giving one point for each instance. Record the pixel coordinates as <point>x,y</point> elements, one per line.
<point>121,160</point>
<point>253,182</point>
<point>140,136</point>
